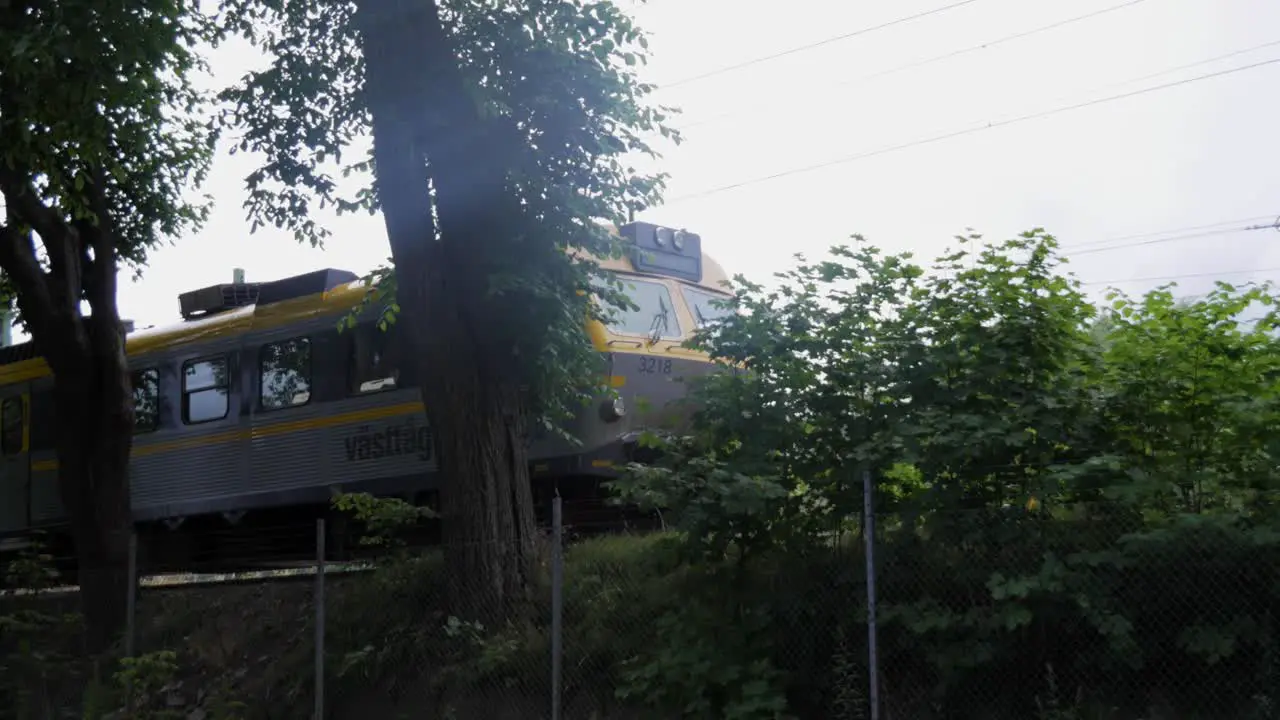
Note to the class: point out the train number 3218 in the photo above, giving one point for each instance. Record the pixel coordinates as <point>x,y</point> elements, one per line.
<point>659,366</point>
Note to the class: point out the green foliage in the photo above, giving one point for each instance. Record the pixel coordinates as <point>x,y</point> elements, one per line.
<point>412,625</point>
<point>36,653</point>
<point>144,680</point>
<point>558,77</point>
<point>1195,393</point>
<point>97,113</point>
<point>147,685</point>
<point>717,506</point>
<point>691,673</point>
<point>1092,493</point>
<point>384,519</point>
<point>43,672</point>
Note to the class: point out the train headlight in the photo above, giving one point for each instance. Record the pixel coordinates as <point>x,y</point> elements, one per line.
<point>661,236</point>
<point>677,240</point>
<point>612,410</point>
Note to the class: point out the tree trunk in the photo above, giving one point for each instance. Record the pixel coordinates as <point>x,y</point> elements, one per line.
<point>94,413</point>
<point>426,142</point>
<point>93,396</point>
<point>479,424</point>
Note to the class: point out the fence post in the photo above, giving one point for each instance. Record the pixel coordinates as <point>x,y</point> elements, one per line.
<point>130,613</point>
<point>869,543</point>
<point>131,599</point>
<point>557,602</point>
<point>319,601</point>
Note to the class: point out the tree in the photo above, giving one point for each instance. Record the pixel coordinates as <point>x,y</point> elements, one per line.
<point>499,135</point>
<point>99,135</point>
<point>1191,393</point>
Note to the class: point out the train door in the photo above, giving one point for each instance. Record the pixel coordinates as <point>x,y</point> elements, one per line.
<point>206,461</point>
<point>15,464</point>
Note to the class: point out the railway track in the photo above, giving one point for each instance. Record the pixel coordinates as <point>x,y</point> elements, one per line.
<point>274,574</point>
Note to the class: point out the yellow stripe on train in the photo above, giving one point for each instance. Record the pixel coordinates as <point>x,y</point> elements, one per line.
<point>283,428</point>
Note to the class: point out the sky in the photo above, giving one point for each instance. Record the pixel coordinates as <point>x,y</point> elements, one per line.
<point>1116,179</point>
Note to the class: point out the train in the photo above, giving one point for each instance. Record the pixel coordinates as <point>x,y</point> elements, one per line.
<point>255,409</point>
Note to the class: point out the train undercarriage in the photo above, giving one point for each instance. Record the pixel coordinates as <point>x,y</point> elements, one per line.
<point>286,535</point>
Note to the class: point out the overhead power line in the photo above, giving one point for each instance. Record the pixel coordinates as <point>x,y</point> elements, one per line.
<point>1273,225</point>
<point>1197,63</point>
<point>928,61</point>
<point>1188,236</point>
<point>813,45</point>
<point>1187,276</point>
<point>966,131</point>
<point>1172,231</point>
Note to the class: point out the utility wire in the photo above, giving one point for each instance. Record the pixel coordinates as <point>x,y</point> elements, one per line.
<point>1158,233</point>
<point>1108,86</point>
<point>1186,276</point>
<point>1274,225</point>
<point>967,131</point>
<point>1189,236</point>
<point>928,61</point>
<point>1197,63</point>
<point>813,45</point>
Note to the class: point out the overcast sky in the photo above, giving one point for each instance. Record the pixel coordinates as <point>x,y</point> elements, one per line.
<point>1203,153</point>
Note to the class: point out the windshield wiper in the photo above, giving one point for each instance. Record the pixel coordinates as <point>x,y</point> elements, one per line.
<point>658,327</point>
<point>697,314</point>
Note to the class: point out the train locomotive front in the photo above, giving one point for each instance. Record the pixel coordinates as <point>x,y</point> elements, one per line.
<point>674,286</point>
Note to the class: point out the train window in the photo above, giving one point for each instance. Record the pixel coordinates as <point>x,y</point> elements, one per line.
<point>656,314</point>
<point>205,391</point>
<point>373,365</point>
<point>11,415</point>
<point>286,374</point>
<point>146,400</point>
<point>703,305</point>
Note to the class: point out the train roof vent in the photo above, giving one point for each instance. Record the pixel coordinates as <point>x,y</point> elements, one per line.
<point>214,299</point>
<point>18,353</point>
<point>312,283</point>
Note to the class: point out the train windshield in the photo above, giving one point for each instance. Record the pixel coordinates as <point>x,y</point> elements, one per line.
<point>704,305</point>
<point>656,315</point>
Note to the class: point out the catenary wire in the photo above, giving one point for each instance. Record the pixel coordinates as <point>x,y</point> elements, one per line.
<point>810,46</point>
<point>1196,63</point>
<point>1108,86</point>
<point>1171,231</point>
<point>927,61</point>
<point>966,131</point>
<point>1101,88</point>
<point>1161,240</point>
<point>1185,276</point>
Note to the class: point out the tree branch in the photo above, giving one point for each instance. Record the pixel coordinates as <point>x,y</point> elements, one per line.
<point>57,236</point>
<point>18,260</point>
<point>25,204</point>
<point>100,275</point>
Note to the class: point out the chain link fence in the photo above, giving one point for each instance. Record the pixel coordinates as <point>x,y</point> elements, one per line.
<point>1051,613</point>
<point>1083,613</point>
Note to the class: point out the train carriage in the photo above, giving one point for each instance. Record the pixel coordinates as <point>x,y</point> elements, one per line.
<point>254,410</point>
